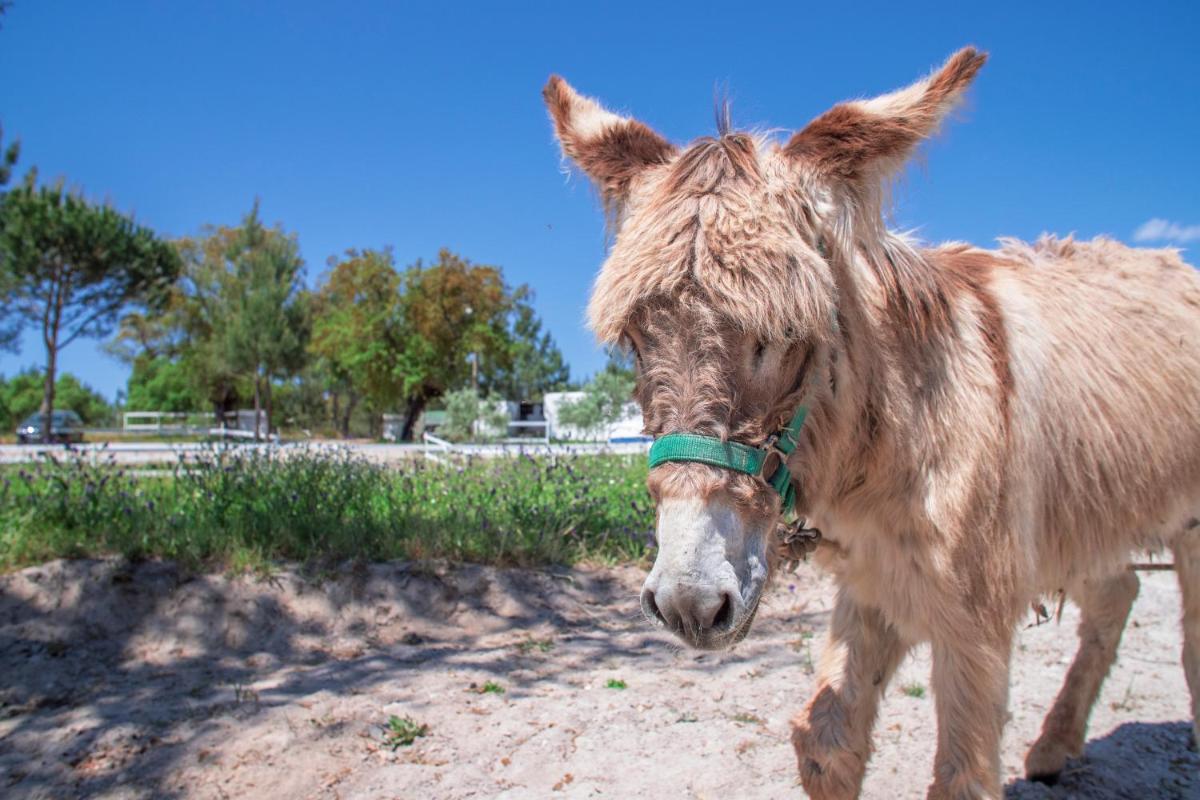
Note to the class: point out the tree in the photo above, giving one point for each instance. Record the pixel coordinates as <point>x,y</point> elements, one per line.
<point>8,157</point>
<point>535,365</point>
<point>72,267</point>
<point>236,321</point>
<point>159,383</point>
<point>10,324</point>
<point>267,327</point>
<point>451,310</point>
<point>470,417</point>
<point>357,332</point>
<point>22,396</point>
<point>604,398</point>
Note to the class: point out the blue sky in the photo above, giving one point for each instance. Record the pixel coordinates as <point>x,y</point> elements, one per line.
<point>378,123</point>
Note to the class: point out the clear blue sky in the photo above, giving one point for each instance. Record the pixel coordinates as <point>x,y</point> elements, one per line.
<point>375,123</point>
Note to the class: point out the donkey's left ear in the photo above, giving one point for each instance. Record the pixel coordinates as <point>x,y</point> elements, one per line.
<point>869,139</point>
<point>610,148</point>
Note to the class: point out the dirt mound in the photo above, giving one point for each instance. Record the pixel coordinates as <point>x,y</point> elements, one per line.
<point>126,680</point>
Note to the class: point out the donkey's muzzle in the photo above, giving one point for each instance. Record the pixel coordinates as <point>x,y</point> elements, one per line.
<point>708,574</point>
<point>703,616</point>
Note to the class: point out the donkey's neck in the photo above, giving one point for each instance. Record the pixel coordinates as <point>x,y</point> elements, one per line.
<point>893,308</point>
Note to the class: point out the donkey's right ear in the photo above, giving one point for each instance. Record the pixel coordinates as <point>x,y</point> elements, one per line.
<point>610,148</point>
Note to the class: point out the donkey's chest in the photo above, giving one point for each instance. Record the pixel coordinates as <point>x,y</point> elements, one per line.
<point>907,579</point>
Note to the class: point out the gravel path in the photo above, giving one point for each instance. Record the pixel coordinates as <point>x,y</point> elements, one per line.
<point>130,681</point>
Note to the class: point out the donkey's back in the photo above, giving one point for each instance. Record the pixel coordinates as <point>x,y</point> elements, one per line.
<point>1105,351</point>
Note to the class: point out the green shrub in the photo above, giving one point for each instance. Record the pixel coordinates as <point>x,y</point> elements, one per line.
<point>251,507</point>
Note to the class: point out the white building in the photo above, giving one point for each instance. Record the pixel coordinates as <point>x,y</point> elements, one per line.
<point>629,426</point>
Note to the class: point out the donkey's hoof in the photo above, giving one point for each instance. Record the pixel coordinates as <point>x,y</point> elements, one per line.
<point>827,774</point>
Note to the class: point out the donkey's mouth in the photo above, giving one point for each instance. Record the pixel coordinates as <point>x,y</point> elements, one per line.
<point>731,626</point>
<point>727,640</point>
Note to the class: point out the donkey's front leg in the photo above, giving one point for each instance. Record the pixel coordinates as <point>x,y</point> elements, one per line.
<point>970,687</point>
<point>832,736</point>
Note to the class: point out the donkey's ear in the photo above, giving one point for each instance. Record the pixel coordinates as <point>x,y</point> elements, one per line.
<point>868,139</point>
<point>611,149</point>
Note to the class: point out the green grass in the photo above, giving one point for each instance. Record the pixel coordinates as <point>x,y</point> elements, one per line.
<point>249,509</point>
<point>402,731</point>
<point>616,683</point>
<point>913,690</point>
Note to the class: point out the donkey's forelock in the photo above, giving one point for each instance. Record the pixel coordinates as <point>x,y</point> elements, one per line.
<point>723,221</point>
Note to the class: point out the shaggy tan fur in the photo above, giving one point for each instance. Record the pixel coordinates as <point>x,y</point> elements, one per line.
<point>986,426</point>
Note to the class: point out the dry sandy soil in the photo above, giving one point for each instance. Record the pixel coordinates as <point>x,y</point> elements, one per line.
<point>127,680</point>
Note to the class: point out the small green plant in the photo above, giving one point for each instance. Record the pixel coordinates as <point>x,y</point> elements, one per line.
<point>403,731</point>
<point>491,687</point>
<point>914,689</point>
<point>541,645</point>
<point>615,683</point>
<point>688,716</point>
<point>749,719</point>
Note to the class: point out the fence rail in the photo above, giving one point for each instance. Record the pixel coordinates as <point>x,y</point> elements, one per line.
<point>155,422</point>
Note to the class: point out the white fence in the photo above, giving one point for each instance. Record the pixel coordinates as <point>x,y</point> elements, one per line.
<point>238,424</point>
<point>155,422</point>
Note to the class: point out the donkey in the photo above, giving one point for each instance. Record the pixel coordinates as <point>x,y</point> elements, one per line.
<point>971,429</point>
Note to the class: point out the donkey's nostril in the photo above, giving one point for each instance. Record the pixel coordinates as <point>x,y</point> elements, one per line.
<point>724,617</point>
<point>650,608</point>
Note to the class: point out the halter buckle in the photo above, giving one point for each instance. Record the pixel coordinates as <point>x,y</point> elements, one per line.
<point>769,469</point>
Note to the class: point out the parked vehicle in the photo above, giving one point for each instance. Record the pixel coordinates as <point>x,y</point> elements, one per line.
<point>65,427</point>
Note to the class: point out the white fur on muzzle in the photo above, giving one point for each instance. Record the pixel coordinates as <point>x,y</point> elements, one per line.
<point>709,573</point>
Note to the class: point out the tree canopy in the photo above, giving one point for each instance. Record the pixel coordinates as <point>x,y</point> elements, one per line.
<point>533,365</point>
<point>71,267</point>
<point>238,317</point>
<point>21,396</point>
<point>371,337</point>
<point>8,158</point>
<point>604,398</point>
<point>357,332</point>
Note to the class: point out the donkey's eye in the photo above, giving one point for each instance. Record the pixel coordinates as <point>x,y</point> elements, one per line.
<point>760,349</point>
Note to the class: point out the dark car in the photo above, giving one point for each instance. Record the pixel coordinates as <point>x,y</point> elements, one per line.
<point>65,426</point>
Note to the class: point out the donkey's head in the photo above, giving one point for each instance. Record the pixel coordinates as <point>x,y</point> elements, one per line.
<point>724,279</point>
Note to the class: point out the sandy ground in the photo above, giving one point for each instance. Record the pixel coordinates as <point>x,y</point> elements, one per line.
<point>132,681</point>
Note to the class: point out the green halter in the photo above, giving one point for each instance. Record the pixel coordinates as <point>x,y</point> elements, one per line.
<point>755,461</point>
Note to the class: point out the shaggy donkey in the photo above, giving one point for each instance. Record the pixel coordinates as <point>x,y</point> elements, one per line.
<point>983,426</point>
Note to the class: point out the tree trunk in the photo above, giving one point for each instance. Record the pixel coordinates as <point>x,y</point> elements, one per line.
<point>335,412</point>
<point>351,404</point>
<point>257,404</point>
<point>50,323</point>
<point>267,416</point>
<point>47,408</point>
<point>416,404</point>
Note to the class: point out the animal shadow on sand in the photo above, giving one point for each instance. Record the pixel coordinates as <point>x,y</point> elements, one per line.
<point>83,713</point>
<point>1136,761</point>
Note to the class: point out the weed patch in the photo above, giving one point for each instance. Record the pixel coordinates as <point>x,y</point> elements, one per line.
<point>247,509</point>
<point>402,732</point>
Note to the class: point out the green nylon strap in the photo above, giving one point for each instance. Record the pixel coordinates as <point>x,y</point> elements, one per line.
<point>736,456</point>
<point>707,450</point>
